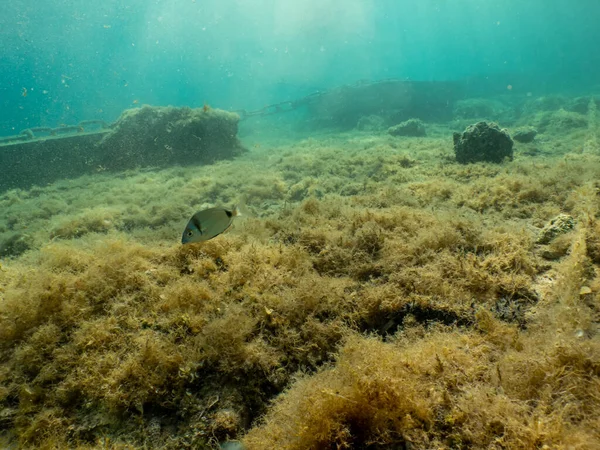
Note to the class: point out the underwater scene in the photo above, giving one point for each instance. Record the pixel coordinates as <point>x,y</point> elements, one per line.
<point>304,225</point>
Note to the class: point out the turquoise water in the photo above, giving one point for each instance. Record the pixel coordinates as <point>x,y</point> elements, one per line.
<point>78,60</point>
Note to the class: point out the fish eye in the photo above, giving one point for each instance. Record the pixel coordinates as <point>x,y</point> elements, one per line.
<point>190,233</point>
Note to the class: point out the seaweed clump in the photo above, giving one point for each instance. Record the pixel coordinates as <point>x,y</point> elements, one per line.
<point>414,311</point>
<point>458,389</point>
<point>448,390</point>
<point>411,127</point>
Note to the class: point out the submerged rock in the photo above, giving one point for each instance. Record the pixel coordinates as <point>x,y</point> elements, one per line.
<point>483,142</point>
<point>561,121</point>
<point>545,103</point>
<point>411,127</point>
<point>581,105</point>
<point>525,135</point>
<point>561,224</point>
<point>370,123</point>
<point>14,245</point>
<point>163,136</point>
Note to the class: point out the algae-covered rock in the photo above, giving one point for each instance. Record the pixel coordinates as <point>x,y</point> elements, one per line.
<point>581,104</point>
<point>561,224</point>
<point>371,123</point>
<point>545,103</point>
<point>525,135</point>
<point>159,136</point>
<point>483,142</point>
<point>411,127</point>
<point>15,244</point>
<point>560,121</point>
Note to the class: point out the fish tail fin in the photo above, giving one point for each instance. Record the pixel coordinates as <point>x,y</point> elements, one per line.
<point>240,210</point>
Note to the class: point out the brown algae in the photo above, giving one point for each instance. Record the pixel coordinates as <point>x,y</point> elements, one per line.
<point>380,295</point>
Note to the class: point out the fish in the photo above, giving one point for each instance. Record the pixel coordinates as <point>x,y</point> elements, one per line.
<point>208,223</point>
